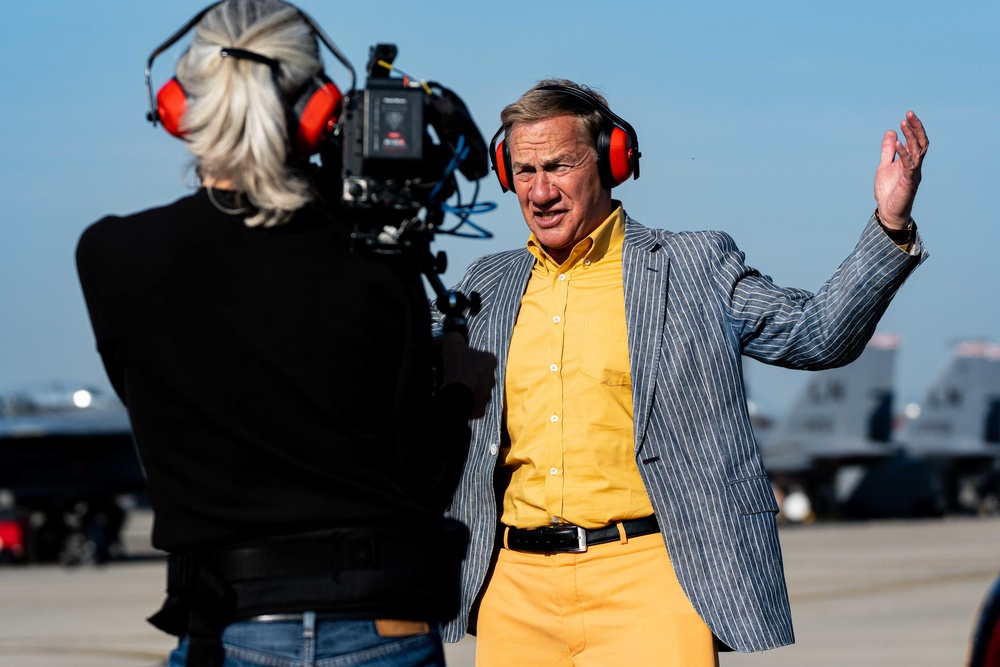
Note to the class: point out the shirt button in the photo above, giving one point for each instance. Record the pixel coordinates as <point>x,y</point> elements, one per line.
<point>554,367</point>
<point>494,449</point>
<point>556,319</point>
<point>554,418</point>
<point>555,519</point>
<point>553,471</point>
<point>562,276</point>
<point>586,262</point>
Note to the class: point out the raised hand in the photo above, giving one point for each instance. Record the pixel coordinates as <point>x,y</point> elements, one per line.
<point>898,173</point>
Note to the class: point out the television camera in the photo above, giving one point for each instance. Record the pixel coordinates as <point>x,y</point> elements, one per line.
<point>397,148</point>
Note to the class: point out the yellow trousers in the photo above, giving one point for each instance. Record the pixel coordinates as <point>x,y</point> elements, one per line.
<point>616,604</point>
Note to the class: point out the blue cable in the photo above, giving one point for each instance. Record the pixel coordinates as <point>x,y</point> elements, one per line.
<point>461,211</point>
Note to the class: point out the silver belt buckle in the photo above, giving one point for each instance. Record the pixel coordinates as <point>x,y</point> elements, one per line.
<point>581,540</point>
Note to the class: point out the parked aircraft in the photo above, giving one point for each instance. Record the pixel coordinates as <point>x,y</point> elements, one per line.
<point>67,459</point>
<point>956,427</point>
<point>835,453</point>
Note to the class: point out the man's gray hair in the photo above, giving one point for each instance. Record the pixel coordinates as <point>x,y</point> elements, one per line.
<point>539,104</point>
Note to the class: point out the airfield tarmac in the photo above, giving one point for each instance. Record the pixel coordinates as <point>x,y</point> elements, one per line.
<point>890,593</point>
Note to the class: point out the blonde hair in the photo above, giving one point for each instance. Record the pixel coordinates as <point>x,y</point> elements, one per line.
<point>237,120</point>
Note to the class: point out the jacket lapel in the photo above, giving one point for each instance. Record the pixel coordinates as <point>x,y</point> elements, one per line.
<point>645,270</point>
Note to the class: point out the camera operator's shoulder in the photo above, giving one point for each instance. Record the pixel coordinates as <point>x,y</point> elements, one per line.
<point>114,238</point>
<point>112,225</point>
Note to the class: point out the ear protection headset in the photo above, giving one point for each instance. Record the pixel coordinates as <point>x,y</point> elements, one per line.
<point>313,111</point>
<point>617,145</point>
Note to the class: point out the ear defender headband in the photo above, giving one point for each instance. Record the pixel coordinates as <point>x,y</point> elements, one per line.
<point>617,145</point>
<point>313,111</point>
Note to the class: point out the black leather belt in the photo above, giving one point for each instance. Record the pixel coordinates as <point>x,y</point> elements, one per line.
<point>567,538</point>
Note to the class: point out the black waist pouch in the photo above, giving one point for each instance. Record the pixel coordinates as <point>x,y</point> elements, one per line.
<point>411,573</point>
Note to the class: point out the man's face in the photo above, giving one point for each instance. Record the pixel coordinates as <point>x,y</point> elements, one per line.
<point>557,182</point>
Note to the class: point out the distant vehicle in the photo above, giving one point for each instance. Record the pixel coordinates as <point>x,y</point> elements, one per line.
<point>834,455</point>
<point>11,530</point>
<point>984,644</point>
<point>67,461</point>
<point>957,427</point>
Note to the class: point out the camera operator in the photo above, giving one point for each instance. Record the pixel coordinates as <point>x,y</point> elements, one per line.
<point>298,451</point>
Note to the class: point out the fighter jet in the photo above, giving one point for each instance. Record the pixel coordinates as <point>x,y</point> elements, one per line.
<point>834,455</point>
<point>956,426</point>
<point>67,459</point>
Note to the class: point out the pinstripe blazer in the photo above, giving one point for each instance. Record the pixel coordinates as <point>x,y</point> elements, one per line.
<point>692,308</point>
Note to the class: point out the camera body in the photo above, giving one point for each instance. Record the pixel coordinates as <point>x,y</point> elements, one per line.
<point>399,145</point>
<point>394,157</point>
<point>383,146</point>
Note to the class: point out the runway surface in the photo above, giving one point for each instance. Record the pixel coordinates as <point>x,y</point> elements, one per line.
<point>874,594</point>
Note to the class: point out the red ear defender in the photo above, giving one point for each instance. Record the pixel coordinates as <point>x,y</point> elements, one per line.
<point>317,110</point>
<point>617,157</point>
<point>620,156</point>
<point>171,102</point>
<point>500,161</point>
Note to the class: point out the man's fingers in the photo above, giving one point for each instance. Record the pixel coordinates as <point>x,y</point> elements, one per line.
<point>917,127</point>
<point>889,141</point>
<point>916,137</point>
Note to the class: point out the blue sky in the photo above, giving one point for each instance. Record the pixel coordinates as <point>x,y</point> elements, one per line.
<point>762,119</point>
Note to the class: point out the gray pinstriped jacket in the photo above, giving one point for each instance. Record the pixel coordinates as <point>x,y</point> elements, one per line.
<point>692,308</point>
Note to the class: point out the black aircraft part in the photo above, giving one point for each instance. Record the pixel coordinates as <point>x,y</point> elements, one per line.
<point>897,488</point>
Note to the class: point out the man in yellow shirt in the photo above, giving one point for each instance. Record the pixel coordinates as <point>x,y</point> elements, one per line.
<point>619,511</point>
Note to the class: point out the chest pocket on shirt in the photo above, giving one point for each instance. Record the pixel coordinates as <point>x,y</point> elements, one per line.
<point>605,352</point>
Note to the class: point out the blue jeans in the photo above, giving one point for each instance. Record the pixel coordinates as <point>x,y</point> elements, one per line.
<point>312,642</point>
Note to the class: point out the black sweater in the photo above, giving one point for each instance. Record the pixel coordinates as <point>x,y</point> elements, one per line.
<point>276,381</point>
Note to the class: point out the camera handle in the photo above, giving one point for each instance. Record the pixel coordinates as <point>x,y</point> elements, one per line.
<point>455,306</point>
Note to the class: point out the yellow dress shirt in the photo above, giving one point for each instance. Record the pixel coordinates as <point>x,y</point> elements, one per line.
<point>571,455</point>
